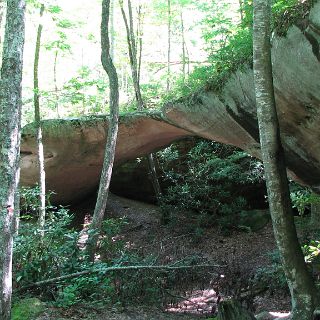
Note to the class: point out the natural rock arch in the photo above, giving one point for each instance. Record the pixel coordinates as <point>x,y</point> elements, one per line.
<point>74,147</point>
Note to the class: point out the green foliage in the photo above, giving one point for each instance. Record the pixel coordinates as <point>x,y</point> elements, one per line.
<point>207,180</point>
<point>86,288</point>
<point>229,42</point>
<point>288,12</point>
<point>60,252</point>
<point>38,258</point>
<point>273,276</point>
<point>111,244</point>
<point>86,92</point>
<point>302,197</point>
<point>312,251</point>
<point>27,309</point>
<point>29,204</point>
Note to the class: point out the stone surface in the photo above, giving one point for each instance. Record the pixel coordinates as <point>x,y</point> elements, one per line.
<point>230,117</point>
<point>74,149</point>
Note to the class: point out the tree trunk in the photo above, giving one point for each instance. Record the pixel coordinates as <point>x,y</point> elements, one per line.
<point>300,282</point>
<point>1,17</point>
<point>139,40</point>
<point>183,41</point>
<point>241,10</point>
<point>56,94</point>
<point>10,128</point>
<point>132,53</point>
<point>102,198</point>
<point>232,310</point>
<point>136,83</point>
<point>112,32</point>
<point>37,118</point>
<point>169,47</point>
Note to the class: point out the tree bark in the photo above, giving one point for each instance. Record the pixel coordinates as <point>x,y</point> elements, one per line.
<point>132,46</point>
<point>102,198</point>
<point>37,119</point>
<point>241,10</point>
<point>139,40</point>
<point>10,128</point>
<point>300,282</point>
<point>183,41</point>
<point>132,53</point>
<point>1,17</point>
<point>112,32</point>
<point>56,94</point>
<point>169,46</point>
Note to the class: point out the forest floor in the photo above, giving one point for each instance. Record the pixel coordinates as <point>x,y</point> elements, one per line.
<point>244,254</point>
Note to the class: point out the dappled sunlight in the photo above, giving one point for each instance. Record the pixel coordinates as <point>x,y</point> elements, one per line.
<point>202,302</point>
<point>279,314</point>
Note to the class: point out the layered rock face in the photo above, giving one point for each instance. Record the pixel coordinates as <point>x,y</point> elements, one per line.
<point>231,117</point>
<point>74,148</point>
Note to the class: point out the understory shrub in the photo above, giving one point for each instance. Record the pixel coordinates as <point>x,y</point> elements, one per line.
<point>209,180</point>
<point>272,276</point>
<point>61,252</point>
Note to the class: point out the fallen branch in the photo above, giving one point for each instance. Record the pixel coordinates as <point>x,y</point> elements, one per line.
<point>115,268</point>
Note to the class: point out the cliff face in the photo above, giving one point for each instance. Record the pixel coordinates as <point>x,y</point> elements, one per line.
<point>231,117</point>
<point>74,148</point>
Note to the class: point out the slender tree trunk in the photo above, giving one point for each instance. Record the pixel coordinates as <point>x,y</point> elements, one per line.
<point>136,83</point>
<point>300,282</point>
<point>183,42</point>
<point>37,119</point>
<point>132,52</point>
<point>169,47</point>
<point>56,94</point>
<point>241,10</point>
<point>112,31</point>
<point>1,17</point>
<point>139,40</point>
<point>188,58</point>
<point>10,128</point>
<point>112,133</point>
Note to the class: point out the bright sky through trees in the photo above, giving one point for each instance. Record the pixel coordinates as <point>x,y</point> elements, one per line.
<point>77,25</point>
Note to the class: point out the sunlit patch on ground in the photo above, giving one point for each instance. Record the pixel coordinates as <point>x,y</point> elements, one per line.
<point>279,314</point>
<point>195,302</point>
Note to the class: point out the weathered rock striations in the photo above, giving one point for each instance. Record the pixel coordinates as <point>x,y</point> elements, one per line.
<point>230,117</point>
<point>74,148</point>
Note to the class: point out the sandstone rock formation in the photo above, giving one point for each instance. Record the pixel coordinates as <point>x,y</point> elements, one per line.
<point>74,148</point>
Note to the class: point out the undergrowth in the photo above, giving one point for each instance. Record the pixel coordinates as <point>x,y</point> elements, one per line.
<point>61,252</point>
<point>207,183</point>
